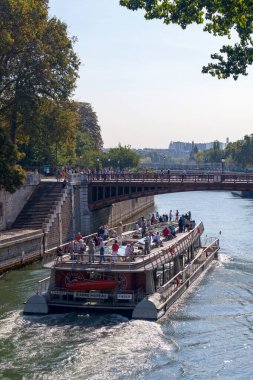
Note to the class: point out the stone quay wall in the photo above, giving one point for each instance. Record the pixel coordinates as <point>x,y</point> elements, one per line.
<point>122,211</point>
<point>19,248</point>
<point>12,204</point>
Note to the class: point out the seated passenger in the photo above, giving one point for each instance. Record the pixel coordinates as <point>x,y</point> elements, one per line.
<point>129,252</point>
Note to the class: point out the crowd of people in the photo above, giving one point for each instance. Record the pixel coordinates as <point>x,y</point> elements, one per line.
<point>150,231</point>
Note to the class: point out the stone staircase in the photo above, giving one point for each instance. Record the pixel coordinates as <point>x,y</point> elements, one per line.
<point>42,204</point>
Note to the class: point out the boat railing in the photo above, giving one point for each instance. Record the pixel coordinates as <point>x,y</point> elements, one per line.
<point>183,276</point>
<point>165,254</point>
<point>43,285</point>
<point>208,240</point>
<point>50,256</point>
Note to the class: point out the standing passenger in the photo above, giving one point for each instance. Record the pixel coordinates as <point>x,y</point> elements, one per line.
<point>115,248</point>
<point>91,246</point>
<point>101,251</point>
<point>147,244</point>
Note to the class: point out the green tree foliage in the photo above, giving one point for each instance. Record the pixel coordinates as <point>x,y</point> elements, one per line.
<point>241,151</point>
<point>88,137</point>
<point>38,71</point>
<point>88,123</point>
<point>11,175</point>
<point>211,155</point>
<point>122,157</point>
<point>53,138</point>
<point>219,17</point>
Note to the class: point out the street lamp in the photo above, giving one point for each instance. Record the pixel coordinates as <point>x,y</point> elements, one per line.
<point>222,165</point>
<point>164,162</point>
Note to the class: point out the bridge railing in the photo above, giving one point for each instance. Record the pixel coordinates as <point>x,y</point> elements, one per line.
<point>150,177</point>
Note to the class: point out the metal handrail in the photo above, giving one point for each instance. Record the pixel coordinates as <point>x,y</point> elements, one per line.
<point>211,248</point>
<point>150,177</point>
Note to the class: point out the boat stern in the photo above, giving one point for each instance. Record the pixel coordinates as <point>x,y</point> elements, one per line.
<point>36,304</point>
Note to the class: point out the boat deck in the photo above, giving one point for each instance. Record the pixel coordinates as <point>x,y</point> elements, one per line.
<point>158,256</point>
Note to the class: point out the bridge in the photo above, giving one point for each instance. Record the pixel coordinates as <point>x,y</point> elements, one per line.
<point>104,190</point>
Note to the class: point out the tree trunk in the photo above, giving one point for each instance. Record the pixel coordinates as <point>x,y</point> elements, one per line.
<point>13,125</point>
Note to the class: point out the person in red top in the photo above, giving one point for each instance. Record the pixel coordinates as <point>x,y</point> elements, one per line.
<point>115,248</point>
<point>167,233</point>
<point>78,236</point>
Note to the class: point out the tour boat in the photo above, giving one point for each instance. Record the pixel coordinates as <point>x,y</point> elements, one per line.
<point>141,286</point>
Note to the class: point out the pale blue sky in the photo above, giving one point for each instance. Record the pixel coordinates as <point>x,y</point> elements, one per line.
<point>144,79</point>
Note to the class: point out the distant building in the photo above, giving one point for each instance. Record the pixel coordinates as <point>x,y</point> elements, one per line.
<point>183,149</point>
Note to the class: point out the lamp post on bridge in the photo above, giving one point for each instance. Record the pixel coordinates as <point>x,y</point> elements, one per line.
<point>98,165</point>
<point>164,162</point>
<point>222,165</point>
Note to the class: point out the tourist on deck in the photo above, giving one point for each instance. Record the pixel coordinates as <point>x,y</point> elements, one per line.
<point>101,251</point>
<point>181,224</point>
<point>173,230</point>
<point>153,219</point>
<point>187,224</point>
<point>77,248</point>
<point>167,233</point>
<point>115,248</point>
<point>176,216</point>
<point>147,241</point>
<point>106,233</point>
<point>136,227</point>
<point>58,255</point>
<point>82,249</point>
<point>101,231</point>
<point>157,239</point>
<point>170,216</point>
<point>96,240</point>
<point>129,252</point>
<point>91,246</point>
<point>78,236</point>
<point>143,230</point>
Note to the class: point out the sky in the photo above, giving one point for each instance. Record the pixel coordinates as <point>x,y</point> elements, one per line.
<point>144,81</point>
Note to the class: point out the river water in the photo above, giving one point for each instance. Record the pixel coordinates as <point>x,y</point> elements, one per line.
<point>207,334</point>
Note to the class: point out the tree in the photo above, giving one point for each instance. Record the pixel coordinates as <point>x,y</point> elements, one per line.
<point>52,137</point>
<point>241,151</point>
<point>211,155</point>
<point>38,67</point>
<point>88,123</point>
<point>88,136</point>
<point>11,175</point>
<point>123,157</point>
<point>219,17</point>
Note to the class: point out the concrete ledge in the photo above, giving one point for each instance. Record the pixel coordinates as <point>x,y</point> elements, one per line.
<point>18,236</point>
